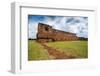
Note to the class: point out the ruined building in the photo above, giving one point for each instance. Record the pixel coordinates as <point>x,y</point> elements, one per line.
<point>46,33</point>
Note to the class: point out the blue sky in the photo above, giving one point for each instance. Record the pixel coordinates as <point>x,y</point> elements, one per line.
<point>73,24</point>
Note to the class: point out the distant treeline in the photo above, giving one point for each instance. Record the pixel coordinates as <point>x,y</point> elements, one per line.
<point>79,38</point>
<point>31,39</point>
<point>82,38</point>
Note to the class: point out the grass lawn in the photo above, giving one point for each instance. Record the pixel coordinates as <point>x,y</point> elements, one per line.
<point>79,49</point>
<point>36,51</point>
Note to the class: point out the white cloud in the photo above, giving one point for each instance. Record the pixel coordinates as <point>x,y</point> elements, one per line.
<point>73,28</point>
<point>32,29</point>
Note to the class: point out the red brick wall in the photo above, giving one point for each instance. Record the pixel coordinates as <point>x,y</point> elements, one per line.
<point>47,33</point>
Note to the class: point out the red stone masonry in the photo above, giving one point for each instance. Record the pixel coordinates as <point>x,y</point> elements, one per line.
<point>46,33</point>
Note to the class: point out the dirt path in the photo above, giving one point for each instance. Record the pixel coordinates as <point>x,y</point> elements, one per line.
<point>56,53</point>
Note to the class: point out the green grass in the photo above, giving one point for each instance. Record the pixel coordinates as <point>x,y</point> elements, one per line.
<point>79,49</point>
<point>36,51</point>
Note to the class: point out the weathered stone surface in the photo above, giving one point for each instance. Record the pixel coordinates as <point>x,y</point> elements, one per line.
<point>46,33</point>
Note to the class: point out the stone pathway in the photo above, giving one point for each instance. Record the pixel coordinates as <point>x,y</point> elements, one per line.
<point>57,54</point>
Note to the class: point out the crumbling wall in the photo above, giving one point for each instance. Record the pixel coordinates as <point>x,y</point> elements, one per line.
<point>46,33</point>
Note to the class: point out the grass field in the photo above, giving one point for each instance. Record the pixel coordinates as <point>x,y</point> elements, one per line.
<point>36,51</point>
<point>79,49</point>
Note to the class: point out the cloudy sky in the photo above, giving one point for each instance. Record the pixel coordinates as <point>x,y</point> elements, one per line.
<point>73,24</point>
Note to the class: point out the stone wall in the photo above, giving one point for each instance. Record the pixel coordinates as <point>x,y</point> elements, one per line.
<point>47,33</point>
